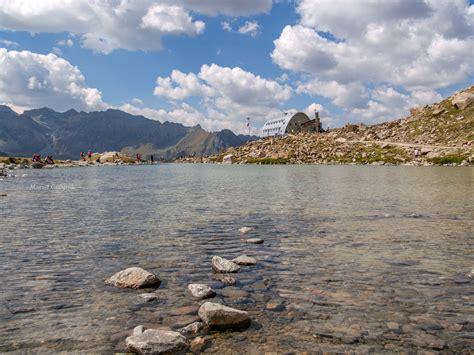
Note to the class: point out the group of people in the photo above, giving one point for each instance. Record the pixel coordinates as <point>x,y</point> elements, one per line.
<point>89,155</point>
<point>37,159</point>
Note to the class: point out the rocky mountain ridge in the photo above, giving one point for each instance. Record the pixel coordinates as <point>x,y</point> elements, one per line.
<point>442,133</point>
<point>64,135</point>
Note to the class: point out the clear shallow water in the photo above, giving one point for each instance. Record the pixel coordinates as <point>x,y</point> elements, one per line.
<point>361,258</point>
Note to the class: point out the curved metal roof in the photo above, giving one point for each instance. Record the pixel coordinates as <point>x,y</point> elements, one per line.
<point>277,126</point>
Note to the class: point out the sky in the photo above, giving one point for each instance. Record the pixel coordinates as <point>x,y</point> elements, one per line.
<point>217,62</point>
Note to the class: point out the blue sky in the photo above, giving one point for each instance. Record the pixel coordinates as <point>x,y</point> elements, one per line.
<point>363,62</point>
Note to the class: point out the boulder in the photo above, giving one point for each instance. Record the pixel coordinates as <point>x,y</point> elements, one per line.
<point>463,100</point>
<point>139,329</point>
<point>133,277</point>
<point>223,265</point>
<point>254,241</point>
<point>244,260</point>
<point>201,291</point>
<point>227,159</point>
<point>217,316</point>
<point>109,157</point>
<point>148,297</point>
<point>154,341</point>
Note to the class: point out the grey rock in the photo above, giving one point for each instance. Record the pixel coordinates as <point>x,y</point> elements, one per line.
<point>223,265</point>
<point>255,241</point>
<point>463,100</point>
<point>245,230</point>
<point>192,329</point>
<point>154,341</point>
<point>232,292</point>
<point>201,291</point>
<point>139,329</point>
<point>133,277</point>
<point>244,260</point>
<point>218,316</point>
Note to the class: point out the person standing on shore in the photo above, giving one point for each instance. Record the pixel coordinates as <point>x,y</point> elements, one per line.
<point>89,155</point>
<point>151,158</point>
<point>82,155</point>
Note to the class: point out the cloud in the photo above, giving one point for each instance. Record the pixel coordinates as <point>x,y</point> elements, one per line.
<point>7,43</point>
<point>348,56</point>
<point>66,43</point>
<point>105,26</point>
<point>34,80</point>
<point>226,26</point>
<point>228,96</point>
<point>250,28</point>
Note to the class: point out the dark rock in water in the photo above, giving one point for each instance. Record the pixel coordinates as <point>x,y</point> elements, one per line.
<point>133,277</point>
<point>153,341</point>
<point>217,316</point>
<point>201,291</point>
<point>255,241</point>
<point>223,265</point>
<point>403,262</point>
<point>244,260</point>
<point>275,306</point>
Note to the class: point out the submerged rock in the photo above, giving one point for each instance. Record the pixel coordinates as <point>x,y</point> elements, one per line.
<point>218,316</point>
<point>227,280</point>
<point>148,297</point>
<point>201,291</point>
<point>154,341</point>
<point>198,344</point>
<point>254,241</point>
<point>133,277</point>
<point>223,265</point>
<point>244,260</point>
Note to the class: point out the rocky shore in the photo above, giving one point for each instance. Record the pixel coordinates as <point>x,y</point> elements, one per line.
<point>438,134</point>
<point>97,159</point>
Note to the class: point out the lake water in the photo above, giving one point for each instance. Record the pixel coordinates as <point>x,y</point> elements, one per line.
<point>361,258</point>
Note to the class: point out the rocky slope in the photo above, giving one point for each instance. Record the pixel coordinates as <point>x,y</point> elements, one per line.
<point>442,133</point>
<point>64,135</point>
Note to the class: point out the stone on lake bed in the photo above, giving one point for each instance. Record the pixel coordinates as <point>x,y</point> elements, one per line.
<point>201,291</point>
<point>198,344</point>
<point>245,230</point>
<point>192,329</point>
<point>180,321</point>
<point>148,297</point>
<point>274,306</point>
<point>254,241</point>
<point>133,277</point>
<point>181,311</point>
<point>222,265</point>
<point>227,280</point>
<point>217,316</point>
<point>155,341</point>
<point>232,292</point>
<point>244,260</point>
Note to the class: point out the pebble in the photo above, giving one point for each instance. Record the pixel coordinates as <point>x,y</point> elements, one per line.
<point>274,306</point>
<point>156,341</point>
<point>232,292</point>
<point>192,329</point>
<point>197,344</point>
<point>254,241</point>
<point>218,316</point>
<point>148,297</point>
<point>223,265</point>
<point>133,277</point>
<point>245,230</point>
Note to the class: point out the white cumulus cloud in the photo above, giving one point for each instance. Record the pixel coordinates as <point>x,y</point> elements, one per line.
<point>32,80</point>
<point>250,28</point>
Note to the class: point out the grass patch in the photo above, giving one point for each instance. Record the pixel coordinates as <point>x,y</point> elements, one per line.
<point>448,159</point>
<point>267,161</point>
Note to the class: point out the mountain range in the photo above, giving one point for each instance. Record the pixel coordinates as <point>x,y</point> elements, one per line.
<point>65,134</point>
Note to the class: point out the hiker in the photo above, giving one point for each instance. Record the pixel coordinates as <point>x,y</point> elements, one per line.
<point>49,159</point>
<point>82,155</point>
<point>89,155</point>
<point>151,158</point>
<point>139,158</point>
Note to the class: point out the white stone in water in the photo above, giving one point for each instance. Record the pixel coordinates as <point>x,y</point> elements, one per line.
<point>254,241</point>
<point>244,260</point>
<point>201,291</point>
<point>223,265</point>
<point>133,277</point>
<point>245,230</point>
<point>218,316</point>
<point>155,341</point>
